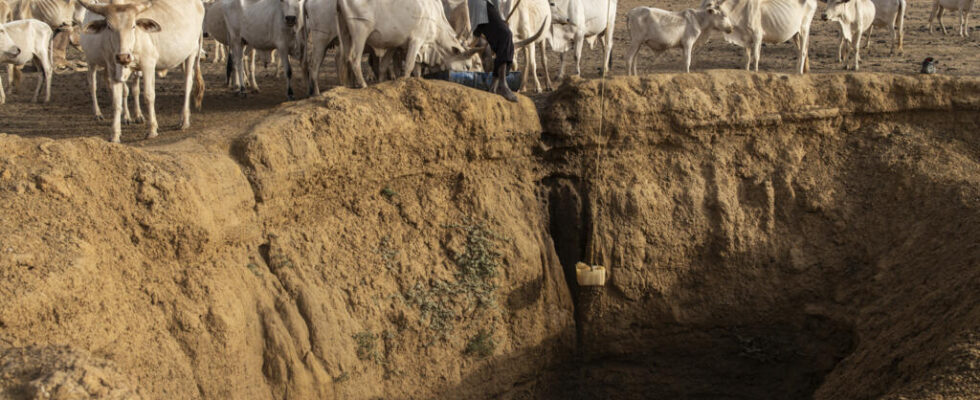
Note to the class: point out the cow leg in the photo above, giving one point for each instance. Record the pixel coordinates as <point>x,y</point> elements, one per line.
<point>411,52</point>
<point>284,59</point>
<point>607,43</point>
<point>933,14</point>
<point>18,75</point>
<point>527,69</point>
<point>150,96</point>
<point>45,70</point>
<point>315,60</point>
<point>117,100</point>
<point>840,49</point>
<point>533,63</point>
<point>804,48</point>
<point>756,53</point>
<point>867,39</point>
<point>857,51</point>
<point>93,85</point>
<point>40,79</point>
<point>137,92</point>
<point>252,72</point>
<point>358,37</point>
<point>579,42</point>
<point>688,50</point>
<point>962,22</point>
<point>561,65</point>
<point>185,113</point>
<point>631,53</point>
<point>940,18</point>
<point>544,64</point>
<point>237,55</point>
<point>3,95</point>
<point>901,26</point>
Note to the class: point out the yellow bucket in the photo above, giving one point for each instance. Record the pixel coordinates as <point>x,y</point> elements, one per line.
<point>590,275</point>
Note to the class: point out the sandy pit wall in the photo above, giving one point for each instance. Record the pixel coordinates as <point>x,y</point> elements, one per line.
<point>369,243</point>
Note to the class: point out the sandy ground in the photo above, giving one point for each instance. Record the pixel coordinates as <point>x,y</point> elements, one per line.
<point>69,113</point>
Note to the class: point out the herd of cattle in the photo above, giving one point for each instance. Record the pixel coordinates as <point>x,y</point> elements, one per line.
<point>143,39</point>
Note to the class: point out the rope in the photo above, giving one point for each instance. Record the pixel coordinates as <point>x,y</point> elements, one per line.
<point>593,257</point>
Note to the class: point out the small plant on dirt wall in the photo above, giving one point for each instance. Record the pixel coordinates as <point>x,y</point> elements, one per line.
<point>367,348</point>
<point>481,345</point>
<point>388,253</point>
<point>478,260</point>
<point>443,303</point>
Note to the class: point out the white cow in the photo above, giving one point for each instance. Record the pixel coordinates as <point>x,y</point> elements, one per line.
<point>390,24</point>
<point>854,17</point>
<point>963,6</point>
<point>769,21</point>
<point>24,41</point>
<point>525,19</point>
<point>97,55</point>
<point>275,25</point>
<point>891,14</point>
<point>578,21</point>
<point>150,36</point>
<point>662,30</point>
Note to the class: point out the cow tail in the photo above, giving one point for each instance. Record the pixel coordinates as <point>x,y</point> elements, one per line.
<point>199,79</point>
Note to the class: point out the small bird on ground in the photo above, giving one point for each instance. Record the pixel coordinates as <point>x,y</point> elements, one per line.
<point>929,65</point>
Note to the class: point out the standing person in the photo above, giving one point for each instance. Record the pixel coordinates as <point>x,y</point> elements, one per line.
<point>486,20</point>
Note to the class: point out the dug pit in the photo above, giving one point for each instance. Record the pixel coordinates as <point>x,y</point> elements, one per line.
<point>768,236</point>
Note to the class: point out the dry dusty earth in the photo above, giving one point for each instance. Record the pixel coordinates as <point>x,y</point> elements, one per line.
<point>769,236</point>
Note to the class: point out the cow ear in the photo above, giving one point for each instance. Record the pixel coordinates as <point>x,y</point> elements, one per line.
<point>148,25</point>
<point>95,26</point>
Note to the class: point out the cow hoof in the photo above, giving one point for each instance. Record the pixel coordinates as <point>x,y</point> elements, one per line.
<point>139,119</point>
<point>127,121</point>
<point>98,118</point>
<point>152,135</point>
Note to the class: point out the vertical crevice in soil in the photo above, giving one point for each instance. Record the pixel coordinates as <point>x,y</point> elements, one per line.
<point>568,224</point>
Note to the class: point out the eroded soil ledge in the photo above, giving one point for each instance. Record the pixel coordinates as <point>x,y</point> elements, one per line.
<point>769,236</point>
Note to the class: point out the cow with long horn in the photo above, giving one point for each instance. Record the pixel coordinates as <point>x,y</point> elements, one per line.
<point>148,36</point>
<point>390,24</point>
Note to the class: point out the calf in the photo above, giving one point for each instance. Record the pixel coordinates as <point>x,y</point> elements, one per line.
<point>25,41</point>
<point>854,17</point>
<point>662,30</point>
<point>963,6</point>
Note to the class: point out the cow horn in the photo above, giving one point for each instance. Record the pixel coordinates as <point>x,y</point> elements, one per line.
<point>93,7</point>
<point>142,6</point>
<point>531,39</point>
<point>473,51</point>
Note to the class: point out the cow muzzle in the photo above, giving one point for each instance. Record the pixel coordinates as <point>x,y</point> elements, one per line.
<point>13,52</point>
<point>290,21</point>
<point>824,16</point>
<point>124,59</point>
